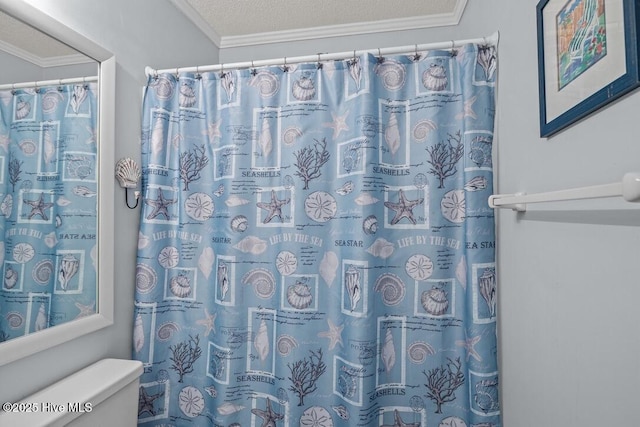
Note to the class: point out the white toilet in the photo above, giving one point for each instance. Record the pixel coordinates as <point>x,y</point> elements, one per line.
<point>103,394</point>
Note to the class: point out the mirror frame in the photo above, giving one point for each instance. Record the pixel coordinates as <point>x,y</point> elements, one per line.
<point>20,347</point>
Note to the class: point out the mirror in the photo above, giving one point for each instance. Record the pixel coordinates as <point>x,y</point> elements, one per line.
<point>56,182</point>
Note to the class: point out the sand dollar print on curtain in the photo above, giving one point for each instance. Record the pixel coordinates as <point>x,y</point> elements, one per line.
<point>315,245</point>
<point>48,206</point>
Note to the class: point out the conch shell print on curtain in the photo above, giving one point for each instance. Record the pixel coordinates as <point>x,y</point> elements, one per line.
<point>48,206</point>
<point>316,247</point>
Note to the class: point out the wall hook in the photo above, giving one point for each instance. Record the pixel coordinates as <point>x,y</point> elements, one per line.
<point>128,174</point>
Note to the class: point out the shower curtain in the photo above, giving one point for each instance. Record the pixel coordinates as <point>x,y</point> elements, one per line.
<point>47,206</point>
<point>316,247</point>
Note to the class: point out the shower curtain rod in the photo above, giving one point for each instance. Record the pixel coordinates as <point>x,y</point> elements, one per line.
<point>451,44</point>
<point>43,83</point>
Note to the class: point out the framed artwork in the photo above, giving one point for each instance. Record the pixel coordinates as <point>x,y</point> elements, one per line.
<point>587,58</point>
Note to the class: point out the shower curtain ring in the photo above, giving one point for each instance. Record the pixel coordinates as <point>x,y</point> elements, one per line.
<point>416,55</point>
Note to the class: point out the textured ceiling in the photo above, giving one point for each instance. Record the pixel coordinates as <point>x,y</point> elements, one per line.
<point>26,42</point>
<point>242,22</point>
<point>239,17</point>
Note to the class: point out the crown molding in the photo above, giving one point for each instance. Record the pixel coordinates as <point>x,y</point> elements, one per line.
<point>400,24</point>
<point>54,61</point>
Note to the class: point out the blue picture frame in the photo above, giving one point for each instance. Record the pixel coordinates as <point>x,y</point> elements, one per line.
<point>586,59</point>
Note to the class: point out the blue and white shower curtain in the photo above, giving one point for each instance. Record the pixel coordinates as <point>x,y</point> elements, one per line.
<point>48,208</point>
<point>316,247</point>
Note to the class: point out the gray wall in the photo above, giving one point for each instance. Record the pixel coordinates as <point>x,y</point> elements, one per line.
<point>568,272</point>
<point>139,33</point>
<point>17,70</point>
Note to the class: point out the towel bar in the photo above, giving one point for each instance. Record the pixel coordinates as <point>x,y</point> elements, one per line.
<point>628,188</point>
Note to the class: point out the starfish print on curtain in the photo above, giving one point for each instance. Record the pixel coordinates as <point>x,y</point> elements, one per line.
<point>316,247</point>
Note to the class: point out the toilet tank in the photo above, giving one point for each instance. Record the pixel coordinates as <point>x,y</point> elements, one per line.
<point>103,394</point>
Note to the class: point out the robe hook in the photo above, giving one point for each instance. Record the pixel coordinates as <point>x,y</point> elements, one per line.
<point>128,173</point>
<point>136,193</point>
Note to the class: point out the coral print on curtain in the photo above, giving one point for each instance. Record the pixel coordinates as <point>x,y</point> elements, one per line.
<point>316,247</point>
<point>47,207</point>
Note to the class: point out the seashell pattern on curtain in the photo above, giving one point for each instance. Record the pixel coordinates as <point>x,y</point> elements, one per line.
<point>48,206</point>
<point>316,247</point>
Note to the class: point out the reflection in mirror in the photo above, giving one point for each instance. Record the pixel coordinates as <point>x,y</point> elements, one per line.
<point>48,183</point>
<point>52,145</point>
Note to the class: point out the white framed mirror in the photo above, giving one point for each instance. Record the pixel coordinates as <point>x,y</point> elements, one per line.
<point>89,318</point>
